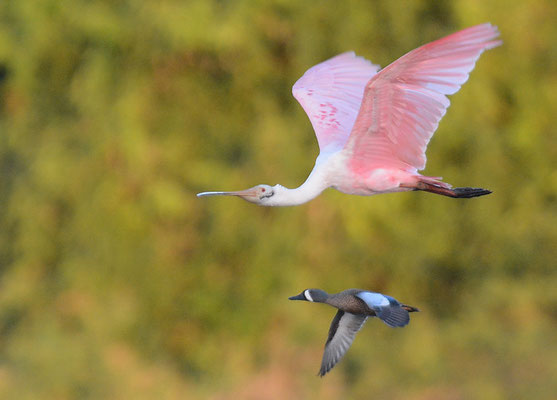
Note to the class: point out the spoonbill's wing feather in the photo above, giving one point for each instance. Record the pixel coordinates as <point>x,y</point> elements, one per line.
<point>341,335</point>
<point>331,94</point>
<point>405,101</point>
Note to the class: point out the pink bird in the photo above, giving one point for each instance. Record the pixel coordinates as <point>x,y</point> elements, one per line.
<point>373,127</point>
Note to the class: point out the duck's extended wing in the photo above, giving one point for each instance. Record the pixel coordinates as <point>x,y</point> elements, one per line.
<point>404,102</point>
<point>341,335</point>
<point>331,94</point>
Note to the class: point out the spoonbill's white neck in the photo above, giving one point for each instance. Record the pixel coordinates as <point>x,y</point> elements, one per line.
<point>310,189</point>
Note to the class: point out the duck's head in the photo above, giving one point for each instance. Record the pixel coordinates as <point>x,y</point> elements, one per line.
<point>313,295</point>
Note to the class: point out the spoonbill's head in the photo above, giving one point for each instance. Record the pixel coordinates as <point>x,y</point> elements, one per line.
<point>260,194</point>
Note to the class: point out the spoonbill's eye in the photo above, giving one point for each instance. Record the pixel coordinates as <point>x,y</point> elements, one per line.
<point>265,192</point>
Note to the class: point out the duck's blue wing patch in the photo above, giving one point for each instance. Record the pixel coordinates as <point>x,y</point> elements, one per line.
<point>386,308</point>
<point>374,299</point>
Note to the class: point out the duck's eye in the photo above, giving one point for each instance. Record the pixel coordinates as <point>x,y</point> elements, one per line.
<point>262,190</point>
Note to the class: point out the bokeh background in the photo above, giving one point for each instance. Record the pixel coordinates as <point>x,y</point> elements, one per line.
<point>117,282</point>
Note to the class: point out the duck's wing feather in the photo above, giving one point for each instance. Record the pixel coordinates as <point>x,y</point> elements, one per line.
<point>386,308</point>
<point>341,335</point>
<point>331,94</point>
<point>404,102</point>
<point>394,316</point>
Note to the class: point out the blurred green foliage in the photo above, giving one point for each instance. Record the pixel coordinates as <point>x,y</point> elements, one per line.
<point>117,282</point>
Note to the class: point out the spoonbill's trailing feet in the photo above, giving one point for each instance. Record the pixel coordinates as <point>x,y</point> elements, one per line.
<point>373,127</point>
<point>354,307</point>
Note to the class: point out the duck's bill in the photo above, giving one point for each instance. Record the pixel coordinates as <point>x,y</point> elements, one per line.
<point>297,297</point>
<point>249,193</point>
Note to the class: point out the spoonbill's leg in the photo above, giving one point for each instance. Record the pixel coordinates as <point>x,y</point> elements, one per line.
<point>434,185</point>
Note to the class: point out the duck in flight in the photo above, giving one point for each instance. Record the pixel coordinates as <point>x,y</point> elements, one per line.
<point>354,308</point>
<point>373,126</point>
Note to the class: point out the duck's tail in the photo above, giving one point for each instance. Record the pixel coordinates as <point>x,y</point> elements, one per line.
<point>410,308</point>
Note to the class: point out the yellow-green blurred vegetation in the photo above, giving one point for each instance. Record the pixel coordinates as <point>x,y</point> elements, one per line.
<point>117,282</point>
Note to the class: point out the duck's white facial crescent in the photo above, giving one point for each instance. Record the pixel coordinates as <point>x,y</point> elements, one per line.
<point>308,296</point>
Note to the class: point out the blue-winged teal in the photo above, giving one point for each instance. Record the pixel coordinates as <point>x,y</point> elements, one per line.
<point>354,307</point>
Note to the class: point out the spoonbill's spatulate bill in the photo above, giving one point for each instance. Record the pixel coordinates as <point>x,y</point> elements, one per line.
<point>354,308</point>
<point>373,127</point>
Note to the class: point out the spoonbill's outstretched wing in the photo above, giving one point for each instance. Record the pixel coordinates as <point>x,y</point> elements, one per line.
<point>331,94</point>
<point>405,101</point>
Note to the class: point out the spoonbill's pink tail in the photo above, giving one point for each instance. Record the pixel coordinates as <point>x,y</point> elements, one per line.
<point>434,185</point>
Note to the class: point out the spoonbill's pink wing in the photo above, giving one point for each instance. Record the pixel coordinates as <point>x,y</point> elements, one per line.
<point>331,94</point>
<point>405,101</point>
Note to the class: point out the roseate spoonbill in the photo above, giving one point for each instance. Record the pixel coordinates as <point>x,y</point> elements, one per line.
<point>373,127</point>
<point>354,307</point>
